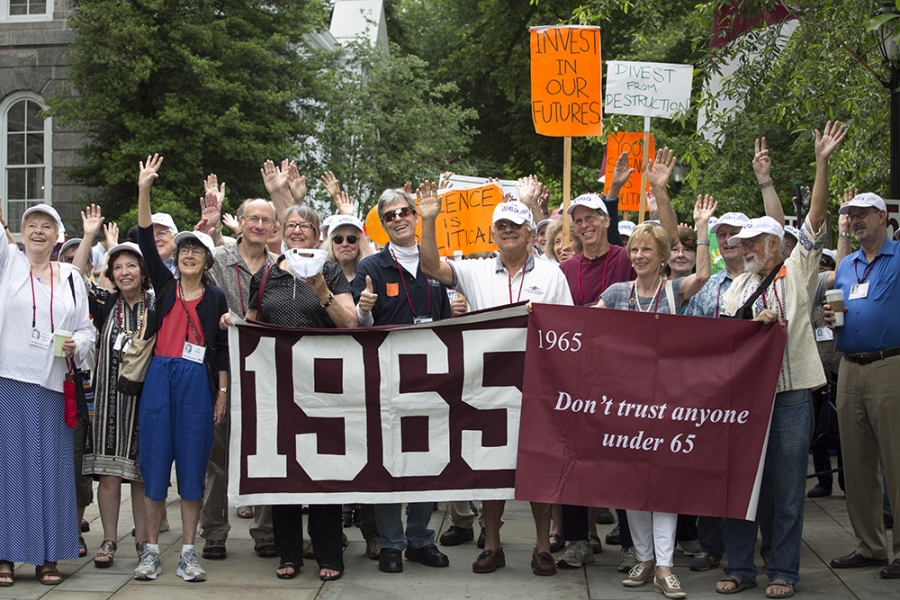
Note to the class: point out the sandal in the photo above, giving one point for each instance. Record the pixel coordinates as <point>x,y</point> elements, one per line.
<point>106,554</point>
<point>329,577</point>
<point>295,570</point>
<point>556,542</point>
<point>7,573</point>
<point>48,574</point>
<point>82,547</point>
<point>739,585</point>
<point>780,583</point>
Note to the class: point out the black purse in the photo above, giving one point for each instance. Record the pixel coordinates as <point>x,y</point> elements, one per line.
<point>745,312</point>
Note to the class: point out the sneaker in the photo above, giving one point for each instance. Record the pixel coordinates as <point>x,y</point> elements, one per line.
<point>577,554</point>
<point>639,575</point>
<point>149,567</point>
<point>689,548</point>
<point>628,559</point>
<point>669,586</point>
<point>189,567</point>
<point>704,561</point>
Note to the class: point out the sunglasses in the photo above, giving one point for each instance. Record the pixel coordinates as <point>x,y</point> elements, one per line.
<point>339,239</point>
<point>390,215</point>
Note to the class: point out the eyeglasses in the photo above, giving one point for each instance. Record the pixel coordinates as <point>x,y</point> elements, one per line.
<point>294,225</point>
<point>751,242</point>
<point>162,233</point>
<point>192,251</point>
<point>684,251</point>
<point>862,214</point>
<point>586,220</point>
<point>503,225</point>
<point>389,216</point>
<point>254,220</point>
<point>339,239</point>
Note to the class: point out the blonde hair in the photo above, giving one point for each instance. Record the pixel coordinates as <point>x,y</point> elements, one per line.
<point>554,230</point>
<point>652,231</point>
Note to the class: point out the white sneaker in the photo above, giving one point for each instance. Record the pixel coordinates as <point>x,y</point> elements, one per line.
<point>189,567</point>
<point>149,567</point>
<point>628,559</point>
<point>577,554</point>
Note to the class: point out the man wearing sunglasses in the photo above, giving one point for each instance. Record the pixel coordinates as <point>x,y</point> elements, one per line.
<point>512,277</point>
<point>404,295</point>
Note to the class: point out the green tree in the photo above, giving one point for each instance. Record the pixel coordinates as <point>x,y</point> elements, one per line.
<point>214,86</point>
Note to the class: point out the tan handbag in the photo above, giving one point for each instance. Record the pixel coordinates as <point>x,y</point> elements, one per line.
<point>133,365</point>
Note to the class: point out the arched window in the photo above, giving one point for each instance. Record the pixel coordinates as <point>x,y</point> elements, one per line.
<point>24,156</point>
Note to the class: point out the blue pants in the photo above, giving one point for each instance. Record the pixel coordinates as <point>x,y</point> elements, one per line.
<point>781,495</point>
<point>417,535</point>
<point>176,423</point>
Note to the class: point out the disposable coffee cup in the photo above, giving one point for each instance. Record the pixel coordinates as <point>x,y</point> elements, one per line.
<point>59,338</point>
<point>835,298</point>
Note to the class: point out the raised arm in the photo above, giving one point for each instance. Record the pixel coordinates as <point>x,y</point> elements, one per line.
<point>211,207</point>
<point>530,195</point>
<point>762,166</point>
<point>704,209</point>
<point>296,184</point>
<point>826,143</point>
<point>621,173</point>
<point>91,221</point>
<point>149,172</point>
<point>276,182</point>
<point>658,173</point>
<point>9,238</point>
<point>344,204</point>
<point>844,247</point>
<point>429,209</point>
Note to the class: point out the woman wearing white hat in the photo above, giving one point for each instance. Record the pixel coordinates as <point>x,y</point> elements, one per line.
<point>347,244</point>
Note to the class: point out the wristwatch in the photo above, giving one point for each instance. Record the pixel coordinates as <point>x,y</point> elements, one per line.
<point>328,302</point>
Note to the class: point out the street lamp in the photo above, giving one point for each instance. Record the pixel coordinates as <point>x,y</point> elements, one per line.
<point>889,52</point>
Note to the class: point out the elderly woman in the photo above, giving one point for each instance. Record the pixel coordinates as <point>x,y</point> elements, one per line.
<point>42,303</point>
<point>282,295</point>
<point>648,247</point>
<point>119,316</point>
<point>185,388</point>
<point>347,244</point>
<point>557,250</point>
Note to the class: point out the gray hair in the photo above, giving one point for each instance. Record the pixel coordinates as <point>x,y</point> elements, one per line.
<point>305,213</point>
<point>392,195</point>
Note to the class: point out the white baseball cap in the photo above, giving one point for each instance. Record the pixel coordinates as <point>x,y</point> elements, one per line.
<point>592,201</point>
<point>791,230</point>
<point>329,221</point>
<point>757,227</point>
<point>513,211</point>
<point>125,247</point>
<point>829,253</point>
<point>735,219</point>
<point>165,219</point>
<point>340,221</point>
<point>48,210</point>
<point>626,228</point>
<point>862,201</point>
<point>200,236</point>
<point>68,244</point>
<point>542,224</point>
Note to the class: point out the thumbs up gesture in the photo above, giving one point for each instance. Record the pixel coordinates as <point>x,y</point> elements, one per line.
<point>368,297</point>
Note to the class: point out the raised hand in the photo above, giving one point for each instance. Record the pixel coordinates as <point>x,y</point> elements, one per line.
<point>408,187</point>
<point>91,221</point>
<point>659,171</point>
<point>830,138</point>
<point>331,184</point>
<point>652,205</point>
<point>344,203</point>
<point>445,182</point>
<point>844,220</point>
<point>296,183</point>
<point>111,232</point>
<point>212,184</point>
<point>149,171</point>
<point>211,206</point>
<point>368,296</point>
<point>704,210</point>
<point>621,173</point>
<point>529,190</point>
<point>762,162</point>
<point>545,200</point>
<point>231,223</point>
<point>275,179</point>
<point>429,200</point>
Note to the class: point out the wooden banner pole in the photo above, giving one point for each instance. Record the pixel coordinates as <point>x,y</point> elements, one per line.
<point>644,170</point>
<point>567,186</point>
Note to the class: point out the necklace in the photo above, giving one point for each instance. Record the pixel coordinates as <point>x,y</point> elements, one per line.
<point>655,296</point>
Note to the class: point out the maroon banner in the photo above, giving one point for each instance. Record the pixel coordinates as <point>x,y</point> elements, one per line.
<point>646,412</point>
<point>425,412</point>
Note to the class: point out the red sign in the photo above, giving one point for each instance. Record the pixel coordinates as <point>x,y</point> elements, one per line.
<point>646,412</point>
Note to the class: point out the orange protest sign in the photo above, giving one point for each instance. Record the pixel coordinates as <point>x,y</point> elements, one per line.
<point>633,144</point>
<point>566,100</point>
<point>464,223</point>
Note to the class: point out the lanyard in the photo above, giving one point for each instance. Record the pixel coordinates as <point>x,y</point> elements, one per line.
<point>719,297</point>
<point>521,283</point>
<point>602,281</point>
<point>237,275</point>
<point>190,324</point>
<point>637,301</point>
<point>34,300</point>
<point>121,320</point>
<point>867,271</point>
<point>777,299</point>
<point>405,291</point>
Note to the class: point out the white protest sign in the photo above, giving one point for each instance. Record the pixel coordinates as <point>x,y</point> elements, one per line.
<point>464,182</point>
<point>647,89</point>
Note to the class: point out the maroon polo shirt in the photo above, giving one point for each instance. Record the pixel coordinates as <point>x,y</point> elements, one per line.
<point>589,278</point>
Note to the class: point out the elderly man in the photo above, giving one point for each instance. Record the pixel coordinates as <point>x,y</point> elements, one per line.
<point>868,380</point>
<point>772,293</point>
<point>164,232</point>
<point>405,295</point>
<point>235,265</point>
<point>512,277</point>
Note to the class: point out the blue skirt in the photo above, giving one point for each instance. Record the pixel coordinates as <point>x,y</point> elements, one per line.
<point>38,514</point>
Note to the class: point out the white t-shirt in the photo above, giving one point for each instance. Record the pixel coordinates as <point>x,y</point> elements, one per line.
<point>485,283</point>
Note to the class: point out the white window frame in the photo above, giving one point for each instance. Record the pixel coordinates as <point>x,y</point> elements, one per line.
<point>5,105</point>
<point>5,16</point>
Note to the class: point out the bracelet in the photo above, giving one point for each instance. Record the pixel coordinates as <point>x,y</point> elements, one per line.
<point>328,302</point>
<point>844,234</point>
<point>223,390</point>
<point>766,184</point>
<point>703,242</point>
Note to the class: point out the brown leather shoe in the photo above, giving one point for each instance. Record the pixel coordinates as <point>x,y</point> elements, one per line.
<point>489,561</point>
<point>855,559</point>
<point>892,571</point>
<point>542,563</point>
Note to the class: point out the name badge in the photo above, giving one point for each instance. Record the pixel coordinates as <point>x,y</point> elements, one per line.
<point>193,352</point>
<point>420,320</point>
<point>41,339</point>
<point>823,334</point>
<point>860,290</point>
<point>117,345</point>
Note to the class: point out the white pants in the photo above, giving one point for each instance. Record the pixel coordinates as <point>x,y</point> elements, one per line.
<point>653,532</point>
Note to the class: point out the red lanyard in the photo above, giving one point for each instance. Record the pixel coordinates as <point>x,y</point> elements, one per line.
<point>521,283</point>
<point>237,275</point>
<point>141,314</point>
<point>34,300</point>
<point>867,271</point>
<point>777,299</point>
<point>602,281</point>
<point>190,324</point>
<point>403,281</point>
